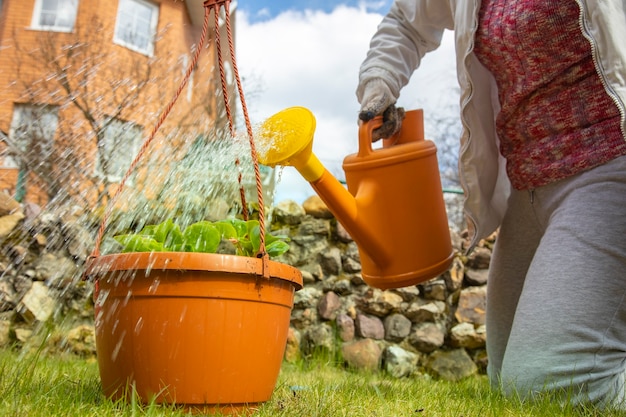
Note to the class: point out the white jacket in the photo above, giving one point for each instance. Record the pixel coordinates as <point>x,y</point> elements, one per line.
<point>414,27</point>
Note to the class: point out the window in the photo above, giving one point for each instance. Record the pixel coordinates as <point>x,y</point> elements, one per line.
<point>184,61</point>
<point>30,135</point>
<point>56,15</point>
<point>117,150</point>
<point>136,25</point>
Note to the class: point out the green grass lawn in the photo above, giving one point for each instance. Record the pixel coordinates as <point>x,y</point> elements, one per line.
<point>39,385</point>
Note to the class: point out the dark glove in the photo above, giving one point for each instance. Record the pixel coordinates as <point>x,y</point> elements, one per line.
<point>377,100</point>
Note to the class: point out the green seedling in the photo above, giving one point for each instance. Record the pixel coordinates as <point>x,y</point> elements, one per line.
<point>204,237</point>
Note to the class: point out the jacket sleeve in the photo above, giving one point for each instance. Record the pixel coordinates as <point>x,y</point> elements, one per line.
<point>410,30</point>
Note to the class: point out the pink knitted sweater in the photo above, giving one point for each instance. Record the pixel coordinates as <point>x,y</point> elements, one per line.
<point>556,118</point>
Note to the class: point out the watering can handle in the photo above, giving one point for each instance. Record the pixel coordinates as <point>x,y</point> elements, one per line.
<point>411,130</point>
<point>365,135</point>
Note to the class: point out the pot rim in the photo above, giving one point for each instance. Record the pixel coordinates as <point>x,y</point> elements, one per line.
<point>190,261</point>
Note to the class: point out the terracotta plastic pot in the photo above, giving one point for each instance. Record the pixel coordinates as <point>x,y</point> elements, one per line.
<point>200,330</point>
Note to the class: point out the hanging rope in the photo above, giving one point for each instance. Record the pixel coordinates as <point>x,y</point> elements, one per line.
<point>225,93</point>
<point>215,4</point>
<point>208,6</point>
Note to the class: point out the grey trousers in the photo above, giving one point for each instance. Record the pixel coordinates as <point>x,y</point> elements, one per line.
<point>556,307</point>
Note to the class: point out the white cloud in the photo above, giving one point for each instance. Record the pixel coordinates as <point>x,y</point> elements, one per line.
<point>311,59</point>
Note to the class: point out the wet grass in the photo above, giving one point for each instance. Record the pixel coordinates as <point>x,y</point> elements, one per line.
<point>39,385</point>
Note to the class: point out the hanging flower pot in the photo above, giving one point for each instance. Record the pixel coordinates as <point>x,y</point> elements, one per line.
<point>196,329</point>
<point>176,323</point>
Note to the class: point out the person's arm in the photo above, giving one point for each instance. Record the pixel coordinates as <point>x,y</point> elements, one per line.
<point>411,29</point>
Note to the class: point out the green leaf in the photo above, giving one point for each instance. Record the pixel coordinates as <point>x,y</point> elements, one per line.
<point>251,224</point>
<point>269,238</point>
<point>276,248</point>
<point>226,229</point>
<point>241,228</point>
<point>254,235</point>
<point>160,231</point>
<point>244,248</point>
<point>148,230</point>
<point>169,234</point>
<point>139,243</point>
<point>202,237</point>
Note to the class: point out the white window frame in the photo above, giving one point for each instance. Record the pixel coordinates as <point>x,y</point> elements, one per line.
<point>119,34</point>
<point>30,121</point>
<point>58,25</point>
<point>121,142</point>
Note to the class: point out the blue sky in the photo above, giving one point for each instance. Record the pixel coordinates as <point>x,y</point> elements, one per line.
<point>307,53</point>
<point>266,10</point>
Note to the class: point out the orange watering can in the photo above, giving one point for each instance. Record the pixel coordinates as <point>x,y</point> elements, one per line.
<point>393,207</point>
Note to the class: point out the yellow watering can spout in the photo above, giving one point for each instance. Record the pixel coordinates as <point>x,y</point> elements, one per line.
<point>393,207</point>
<point>286,139</point>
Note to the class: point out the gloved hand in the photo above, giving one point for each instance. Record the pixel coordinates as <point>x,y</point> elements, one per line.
<point>378,100</point>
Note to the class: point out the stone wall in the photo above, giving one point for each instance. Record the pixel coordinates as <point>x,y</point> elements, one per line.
<point>437,328</point>
<point>42,297</point>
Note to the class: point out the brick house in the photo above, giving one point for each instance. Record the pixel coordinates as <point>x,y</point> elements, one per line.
<point>82,83</point>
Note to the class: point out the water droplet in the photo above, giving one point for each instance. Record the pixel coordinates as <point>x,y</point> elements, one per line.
<point>101,298</point>
<point>118,347</point>
<point>139,325</point>
<point>98,319</point>
<point>183,314</point>
<point>129,295</point>
<point>154,286</point>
